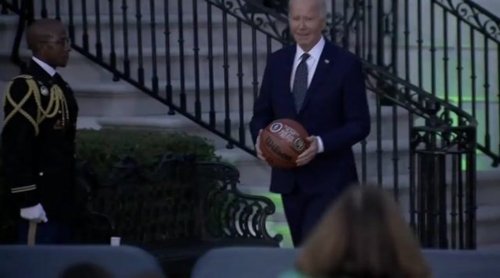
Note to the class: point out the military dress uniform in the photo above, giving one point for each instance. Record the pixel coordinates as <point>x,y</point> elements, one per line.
<point>38,143</point>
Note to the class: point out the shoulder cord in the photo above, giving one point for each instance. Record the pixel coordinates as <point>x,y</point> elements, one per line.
<point>57,102</point>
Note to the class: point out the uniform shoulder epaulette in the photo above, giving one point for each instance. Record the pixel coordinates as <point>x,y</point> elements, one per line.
<point>29,79</point>
<point>23,76</point>
<point>17,106</point>
<point>56,103</point>
<point>32,92</point>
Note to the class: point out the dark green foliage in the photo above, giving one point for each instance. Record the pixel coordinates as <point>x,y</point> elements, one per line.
<point>104,148</point>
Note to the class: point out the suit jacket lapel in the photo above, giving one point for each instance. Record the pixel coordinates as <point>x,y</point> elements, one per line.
<point>322,69</point>
<point>39,73</point>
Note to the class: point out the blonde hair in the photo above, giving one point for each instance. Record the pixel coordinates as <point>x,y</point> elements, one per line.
<point>363,235</point>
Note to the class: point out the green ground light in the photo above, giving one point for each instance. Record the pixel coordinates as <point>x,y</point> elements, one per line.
<point>277,224</point>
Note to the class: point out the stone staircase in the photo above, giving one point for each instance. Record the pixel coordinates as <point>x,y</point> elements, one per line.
<point>104,104</point>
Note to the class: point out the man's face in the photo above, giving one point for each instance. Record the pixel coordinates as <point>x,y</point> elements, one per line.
<point>306,22</point>
<point>55,49</point>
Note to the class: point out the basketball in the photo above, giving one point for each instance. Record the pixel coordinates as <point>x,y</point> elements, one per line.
<point>282,141</point>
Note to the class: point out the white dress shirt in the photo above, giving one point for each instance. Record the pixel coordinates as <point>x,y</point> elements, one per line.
<point>312,64</point>
<point>50,70</point>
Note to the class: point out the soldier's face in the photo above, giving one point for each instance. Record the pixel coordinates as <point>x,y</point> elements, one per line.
<point>55,50</point>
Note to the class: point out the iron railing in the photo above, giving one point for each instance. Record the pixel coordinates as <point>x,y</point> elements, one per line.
<point>450,48</point>
<point>367,29</point>
<point>442,182</point>
<point>457,59</point>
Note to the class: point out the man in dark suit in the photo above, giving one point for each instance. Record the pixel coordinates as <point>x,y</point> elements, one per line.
<point>38,138</point>
<point>321,86</point>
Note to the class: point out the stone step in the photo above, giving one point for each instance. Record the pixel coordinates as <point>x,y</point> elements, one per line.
<point>84,122</point>
<point>180,33</point>
<point>488,220</point>
<point>239,157</point>
<point>116,100</point>
<point>256,169</point>
<point>487,192</point>
<point>110,94</point>
<point>89,93</point>
<point>8,24</point>
<point>280,228</point>
<point>179,37</point>
<point>487,130</point>
<point>172,123</point>
<point>391,120</point>
<point>189,54</point>
<point>79,63</point>
<point>121,99</point>
<point>486,195</point>
<point>254,173</point>
<point>131,7</point>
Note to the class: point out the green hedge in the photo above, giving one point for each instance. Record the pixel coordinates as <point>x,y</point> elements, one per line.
<point>102,149</point>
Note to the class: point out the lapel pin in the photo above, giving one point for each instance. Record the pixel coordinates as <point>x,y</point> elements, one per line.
<point>44,91</point>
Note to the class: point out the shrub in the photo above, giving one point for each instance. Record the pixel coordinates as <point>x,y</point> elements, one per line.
<point>103,148</point>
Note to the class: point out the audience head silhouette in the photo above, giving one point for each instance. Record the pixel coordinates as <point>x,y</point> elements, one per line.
<point>362,235</point>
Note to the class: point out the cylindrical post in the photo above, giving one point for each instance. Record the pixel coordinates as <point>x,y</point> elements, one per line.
<point>431,200</point>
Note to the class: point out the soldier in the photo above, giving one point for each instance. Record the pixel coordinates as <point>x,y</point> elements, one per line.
<point>38,138</point>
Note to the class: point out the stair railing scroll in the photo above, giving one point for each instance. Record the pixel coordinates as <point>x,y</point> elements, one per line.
<point>255,14</point>
<point>442,205</point>
<point>458,44</point>
<point>480,18</point>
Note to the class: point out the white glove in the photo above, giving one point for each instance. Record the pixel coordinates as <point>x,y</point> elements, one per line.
<point>34,213</point>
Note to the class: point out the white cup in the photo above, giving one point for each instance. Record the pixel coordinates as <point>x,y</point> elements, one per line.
<point>115,241</point>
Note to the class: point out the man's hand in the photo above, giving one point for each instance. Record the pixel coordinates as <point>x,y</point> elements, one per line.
<point>34,213</point>
<point>309,153</point>
<point>257,147</point>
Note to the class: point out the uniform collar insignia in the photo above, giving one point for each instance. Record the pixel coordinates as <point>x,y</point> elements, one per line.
<point>43,89</point>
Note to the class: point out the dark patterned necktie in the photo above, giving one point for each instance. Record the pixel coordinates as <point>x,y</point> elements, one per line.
<point>300,82</point>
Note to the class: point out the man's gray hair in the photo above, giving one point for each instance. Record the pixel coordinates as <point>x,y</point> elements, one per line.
<point>321,6</point>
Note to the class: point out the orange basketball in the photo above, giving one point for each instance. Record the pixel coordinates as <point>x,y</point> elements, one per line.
<point>282,141</point>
